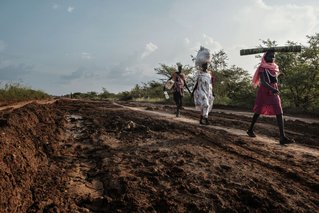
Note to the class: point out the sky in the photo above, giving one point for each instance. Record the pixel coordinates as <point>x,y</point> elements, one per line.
<point>66,46</point>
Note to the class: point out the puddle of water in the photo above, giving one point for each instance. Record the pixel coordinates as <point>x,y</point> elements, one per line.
<point>76,117</point>
<point>75,128</point>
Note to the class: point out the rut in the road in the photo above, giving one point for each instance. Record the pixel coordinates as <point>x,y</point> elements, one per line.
<point>229,130</point>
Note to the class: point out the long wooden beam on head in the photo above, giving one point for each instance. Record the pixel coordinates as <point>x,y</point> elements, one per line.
<point>275,49</point>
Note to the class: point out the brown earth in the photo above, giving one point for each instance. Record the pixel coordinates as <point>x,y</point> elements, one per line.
<point>90,156</point>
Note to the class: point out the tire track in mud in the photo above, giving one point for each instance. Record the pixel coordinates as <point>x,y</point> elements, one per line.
<point>250,115</point>
<point>84,160</point>
<point>93,157</point>
<point>81,163</point>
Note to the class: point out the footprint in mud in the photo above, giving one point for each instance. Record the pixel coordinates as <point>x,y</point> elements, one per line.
<point>249,198</point>
<point>3,122</point>
<point>163,205</point>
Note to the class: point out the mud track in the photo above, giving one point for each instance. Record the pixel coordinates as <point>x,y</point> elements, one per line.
<point>89,156</point>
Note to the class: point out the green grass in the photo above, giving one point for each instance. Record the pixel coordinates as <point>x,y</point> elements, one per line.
<point>17,92</point>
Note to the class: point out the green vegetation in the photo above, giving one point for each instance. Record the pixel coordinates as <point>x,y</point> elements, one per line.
<point>233,84</point>
<point>17,92</point>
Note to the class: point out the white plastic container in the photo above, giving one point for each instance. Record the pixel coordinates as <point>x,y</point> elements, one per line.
<point>169,84</point>
<point>166,95</point>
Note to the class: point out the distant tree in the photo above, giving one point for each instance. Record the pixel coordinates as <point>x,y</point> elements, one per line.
<point>232,86</point>
<point>106,94</point>
<point>237,82</point>
<point>124,96</point>
<point>153,89</point>
<point>137,92</point>
<point>219,60</point>
<point>166,71</point>
<point>301,75</point>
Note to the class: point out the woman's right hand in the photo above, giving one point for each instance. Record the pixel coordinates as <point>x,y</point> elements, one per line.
<point>275,91</point>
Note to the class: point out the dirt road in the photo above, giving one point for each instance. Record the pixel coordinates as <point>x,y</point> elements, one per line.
<point>86,156</point>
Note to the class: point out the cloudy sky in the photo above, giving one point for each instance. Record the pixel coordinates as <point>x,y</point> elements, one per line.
<point>63,46</point>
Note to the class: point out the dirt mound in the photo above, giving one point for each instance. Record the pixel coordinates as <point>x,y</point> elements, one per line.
<point>87,156</point>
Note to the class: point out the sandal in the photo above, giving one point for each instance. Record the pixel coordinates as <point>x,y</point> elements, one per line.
<point>251,133</point>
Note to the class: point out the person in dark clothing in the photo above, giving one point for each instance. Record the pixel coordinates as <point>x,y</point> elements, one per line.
<point>178,88</point>
<point>268,101</point>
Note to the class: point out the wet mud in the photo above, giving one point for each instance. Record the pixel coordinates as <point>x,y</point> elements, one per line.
<point>100,156</point>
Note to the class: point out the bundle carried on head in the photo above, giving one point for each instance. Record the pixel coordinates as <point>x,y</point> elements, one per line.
<point>203,56</point>
<point>292,48</point>
<point>179,64</point>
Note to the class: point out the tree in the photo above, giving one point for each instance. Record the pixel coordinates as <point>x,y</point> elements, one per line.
<point>233,84</point>
<point>219,61</point>
<point>299,75</point>
<point>137,92</point>
<point>106,94</point>
<point>153,89</point>
<point>167,71</point>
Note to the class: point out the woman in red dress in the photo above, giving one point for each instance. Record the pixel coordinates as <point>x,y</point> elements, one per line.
<point>268,101</point>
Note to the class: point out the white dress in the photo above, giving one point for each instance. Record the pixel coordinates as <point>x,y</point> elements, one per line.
<point>203,95</point>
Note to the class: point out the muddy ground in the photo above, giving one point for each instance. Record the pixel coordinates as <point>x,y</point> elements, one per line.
<point>90,156</point>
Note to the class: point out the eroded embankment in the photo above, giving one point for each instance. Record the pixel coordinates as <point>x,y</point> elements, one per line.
<point>29,137</point>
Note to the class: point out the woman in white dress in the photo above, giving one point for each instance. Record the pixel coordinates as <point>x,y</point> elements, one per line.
<point>203,93</point>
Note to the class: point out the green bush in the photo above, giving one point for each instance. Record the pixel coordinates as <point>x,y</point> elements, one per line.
<point>17,92</point>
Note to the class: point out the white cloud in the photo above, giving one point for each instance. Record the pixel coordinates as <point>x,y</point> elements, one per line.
<point>206,41</point>
<point>149,48</point>
<point>187,41</point>
<point>70,9</point>
<point>86,55</point>
<point>210,42</point>
<point>280,23</point>
<point>261,3</point>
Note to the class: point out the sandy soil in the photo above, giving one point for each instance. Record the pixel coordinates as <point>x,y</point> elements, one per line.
<point>90,156</point>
